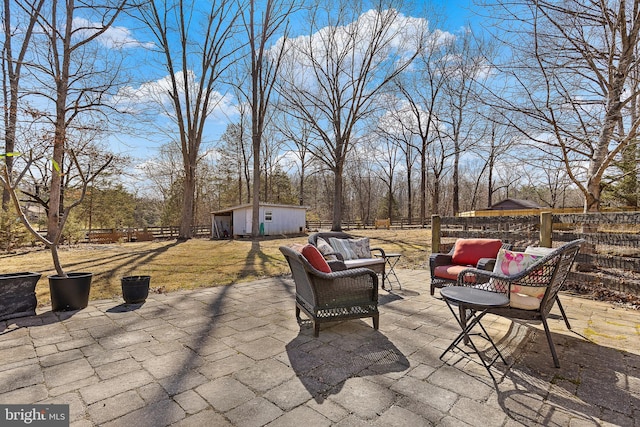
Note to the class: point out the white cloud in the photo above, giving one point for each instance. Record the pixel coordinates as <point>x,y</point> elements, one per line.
<point>114,37</point>
<point>403,120</point>
<point>156,93</point>
<point>353,41</point>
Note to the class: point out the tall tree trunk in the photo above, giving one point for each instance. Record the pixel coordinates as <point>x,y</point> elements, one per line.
<point>186,219</point>
<point>456,179</point>
<point>435,196</point>
<point>336,224</point>
<point>301,187</point>
<point>390,201</point>
<point>409,192</point>
<point>255,216</point>
<point>423,182</point>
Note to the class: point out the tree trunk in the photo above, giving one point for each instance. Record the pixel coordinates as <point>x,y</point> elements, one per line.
<point>390,200</point>
<point>11,118</point>
<point>255,217</point>
<point>301,188</point>
<point>456,180</point>
<point>435,196</point>
<point>409,194</point>
<point>423,182</point>
<point>336,224</point>
<point>186,221</point>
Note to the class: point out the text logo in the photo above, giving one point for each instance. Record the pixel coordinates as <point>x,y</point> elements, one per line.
<point>34,415</point>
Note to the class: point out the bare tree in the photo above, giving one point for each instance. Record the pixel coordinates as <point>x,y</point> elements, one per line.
<point>12,71</point>
<point>297,134</point>
<point>263,65</point>
<point>570,76</point>
<point>466,70</point>
<point>69,88</point>
<point>195,64</point>
<point>422,89</point>
<point>234,163</point>
<point>334,76</point>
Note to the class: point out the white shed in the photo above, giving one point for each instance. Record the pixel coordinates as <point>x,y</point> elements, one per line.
<point>273,219</point>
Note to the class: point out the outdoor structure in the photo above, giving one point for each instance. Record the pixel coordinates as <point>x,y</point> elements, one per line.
<point>512,204</point>
<point>273,219</point>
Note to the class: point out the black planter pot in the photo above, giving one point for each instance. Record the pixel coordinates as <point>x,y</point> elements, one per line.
<point>18,294</point>
<point>70,293</point>
<point>135,289</point>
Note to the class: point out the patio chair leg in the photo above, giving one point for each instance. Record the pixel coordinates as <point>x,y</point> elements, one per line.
<point>298,314</point>
<point>376,321</point>
<point>316,329</point>
<point>550,341</point>
<point>564,315</point>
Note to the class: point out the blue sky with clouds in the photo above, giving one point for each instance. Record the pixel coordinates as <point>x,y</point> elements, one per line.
<point>455,15</point>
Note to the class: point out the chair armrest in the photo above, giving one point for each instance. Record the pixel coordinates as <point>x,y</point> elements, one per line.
<point>379,250</point>
<point>440,259</point>
<point>437,259</point>
<point>485,279</point>
<point>486,264</point>
<point>338,255</point>
<point>336,265</point>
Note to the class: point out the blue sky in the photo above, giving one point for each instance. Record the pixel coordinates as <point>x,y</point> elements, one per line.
<point>457,14</point>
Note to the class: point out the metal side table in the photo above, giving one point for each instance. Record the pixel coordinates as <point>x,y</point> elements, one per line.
<point>477,302</point>
<point>391,260</point>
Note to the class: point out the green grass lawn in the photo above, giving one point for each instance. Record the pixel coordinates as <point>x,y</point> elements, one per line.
<point>195,263</point>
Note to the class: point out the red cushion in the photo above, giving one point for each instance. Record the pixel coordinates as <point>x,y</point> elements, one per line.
<point>315,258</point>
<point>469,251</point>
<point>451,272</point>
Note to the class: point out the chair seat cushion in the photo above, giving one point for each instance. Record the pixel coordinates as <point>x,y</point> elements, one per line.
<point>522,301</point>
<point>364,263</point>
<point>469,251</point>
<point>315,258</point>
<point>449,271</point>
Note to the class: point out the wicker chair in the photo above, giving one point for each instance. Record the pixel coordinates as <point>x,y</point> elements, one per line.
<point>549,272</point>
<point>329,297</point>
<point>375,262</point>
<point>436,260</point>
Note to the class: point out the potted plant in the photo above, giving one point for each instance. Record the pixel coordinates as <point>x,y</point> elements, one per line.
<point>69,291</point>
<point>18,294</point>
<point>135,289</point>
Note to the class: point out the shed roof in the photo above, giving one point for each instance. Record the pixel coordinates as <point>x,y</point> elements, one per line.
<point>514,204</point>
<point>248,205</point>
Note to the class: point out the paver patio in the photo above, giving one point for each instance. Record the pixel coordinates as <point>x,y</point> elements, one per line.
<point>235,355</point>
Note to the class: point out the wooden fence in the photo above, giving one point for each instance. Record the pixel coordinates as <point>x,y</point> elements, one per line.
<point>114,235</point>
<point>610,256</point>
<point>401,223</point>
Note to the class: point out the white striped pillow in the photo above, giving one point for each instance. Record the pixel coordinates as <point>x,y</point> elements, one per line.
<point>343,247</point>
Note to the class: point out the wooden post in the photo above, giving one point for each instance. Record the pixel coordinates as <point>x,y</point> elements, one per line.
<point>435,234</point>
<point>546,229</point>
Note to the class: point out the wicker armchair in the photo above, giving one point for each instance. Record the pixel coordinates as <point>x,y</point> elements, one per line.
<point>328,297</point>
<point>545,276</point>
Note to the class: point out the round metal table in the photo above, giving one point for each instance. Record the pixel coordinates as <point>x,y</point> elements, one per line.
<point>477,302</point>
